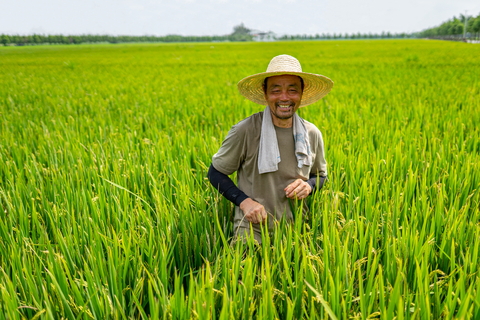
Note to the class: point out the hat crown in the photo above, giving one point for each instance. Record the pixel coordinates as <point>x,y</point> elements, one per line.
<point>284,63</point>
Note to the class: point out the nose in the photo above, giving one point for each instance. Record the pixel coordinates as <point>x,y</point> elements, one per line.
<point>284,95</point>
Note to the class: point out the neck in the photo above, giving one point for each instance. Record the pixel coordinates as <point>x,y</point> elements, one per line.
<point>282,123</point>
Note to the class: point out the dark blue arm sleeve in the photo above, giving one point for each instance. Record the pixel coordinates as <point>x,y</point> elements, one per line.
<point>225,186</point>
<point>316,181</point>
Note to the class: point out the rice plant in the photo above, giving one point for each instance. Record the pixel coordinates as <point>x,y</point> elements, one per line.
<point>107,212</point>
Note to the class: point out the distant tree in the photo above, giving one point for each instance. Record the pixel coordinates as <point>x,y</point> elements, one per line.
<point>240,30</point>
<point>4,39</point>
<point>36,39</point>
<point>456,27</point>
<point>240,33</point>
<point>470,22</point>
<point>476,24</point>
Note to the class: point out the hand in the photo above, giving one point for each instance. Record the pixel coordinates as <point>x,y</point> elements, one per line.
<point>253,211</point>
<point>298,189</point>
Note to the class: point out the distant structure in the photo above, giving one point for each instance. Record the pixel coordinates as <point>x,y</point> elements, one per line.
<point>258,35</point>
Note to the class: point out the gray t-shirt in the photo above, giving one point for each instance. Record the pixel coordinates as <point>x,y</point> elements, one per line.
<point>239,152</point>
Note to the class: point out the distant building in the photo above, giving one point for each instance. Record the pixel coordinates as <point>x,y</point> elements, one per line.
<point>263,36</point>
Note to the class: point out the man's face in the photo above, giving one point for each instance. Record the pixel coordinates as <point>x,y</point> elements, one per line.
<point>283,95</point>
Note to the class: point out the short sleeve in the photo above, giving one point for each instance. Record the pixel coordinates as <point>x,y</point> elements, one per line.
<point>231,154</point>
<point>320,164</point>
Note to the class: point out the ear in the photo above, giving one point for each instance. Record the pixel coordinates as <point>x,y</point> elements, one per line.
<point>264,85</point>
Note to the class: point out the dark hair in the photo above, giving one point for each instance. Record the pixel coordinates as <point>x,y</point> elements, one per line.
<point>264,86</point>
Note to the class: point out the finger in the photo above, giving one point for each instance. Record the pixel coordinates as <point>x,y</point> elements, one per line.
<point>299,193</point>
<point>300,189</point>
<point>293,185</point>
<point>251,217</point>
<point>302,195</point>
<point>295,196</point>
<point>258,215</point>
<point>264,215</point>
<point>260,218</point>
<point>294,191</point>
<point>255,216</point>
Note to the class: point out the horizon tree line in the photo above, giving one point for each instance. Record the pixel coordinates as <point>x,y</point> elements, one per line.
<point>454,26</point>
<point>339,36</point>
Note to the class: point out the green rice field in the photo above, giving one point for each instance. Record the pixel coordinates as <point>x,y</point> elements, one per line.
<point>107,212</point>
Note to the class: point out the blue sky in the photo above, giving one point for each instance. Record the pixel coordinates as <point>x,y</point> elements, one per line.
<point>209,17</point>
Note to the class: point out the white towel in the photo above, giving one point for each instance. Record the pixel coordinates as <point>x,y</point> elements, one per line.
<point>268,153</point>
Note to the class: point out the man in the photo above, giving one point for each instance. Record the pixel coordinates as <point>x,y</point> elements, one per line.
<point>278,156</point>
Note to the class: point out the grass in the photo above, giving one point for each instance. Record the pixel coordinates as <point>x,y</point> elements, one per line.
<point>107,212</point>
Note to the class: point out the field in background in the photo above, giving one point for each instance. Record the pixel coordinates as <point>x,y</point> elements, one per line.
<point>107,212</point>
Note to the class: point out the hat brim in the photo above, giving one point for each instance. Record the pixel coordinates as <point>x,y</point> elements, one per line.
<point>316,86</point>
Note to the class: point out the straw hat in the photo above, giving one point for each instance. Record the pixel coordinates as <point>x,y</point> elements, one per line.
<point>316,85</point>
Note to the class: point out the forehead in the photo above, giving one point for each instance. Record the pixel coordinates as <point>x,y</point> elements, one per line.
<point>284,79</point>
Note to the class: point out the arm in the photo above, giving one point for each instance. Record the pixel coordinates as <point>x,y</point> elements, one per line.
<point>225,186</point>
<point>316,182</point>
<point>253,211</point>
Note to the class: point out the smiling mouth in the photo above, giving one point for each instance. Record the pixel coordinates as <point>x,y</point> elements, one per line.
<point>284,107</point>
